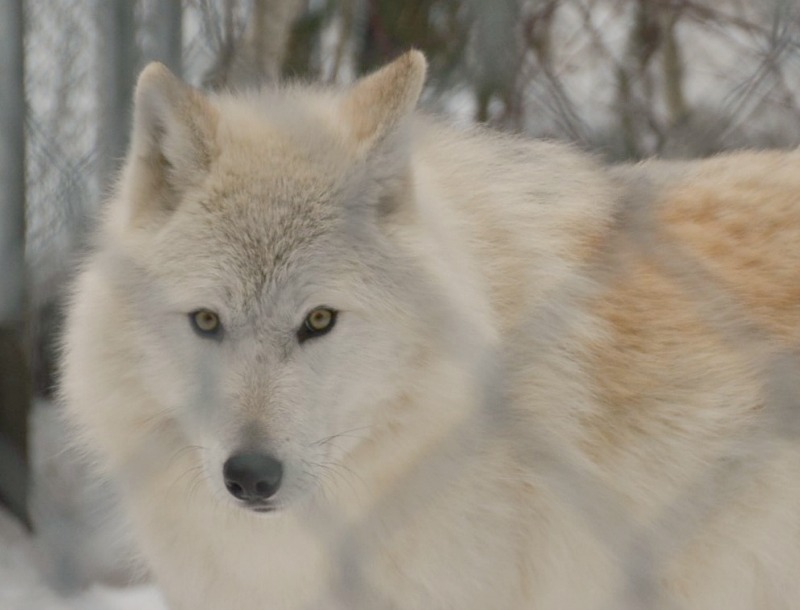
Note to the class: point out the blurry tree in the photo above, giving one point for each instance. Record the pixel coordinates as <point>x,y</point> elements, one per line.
<point>116,26</point>
<point>258,54</point>
<point>162,30</point>
<point>14,377</point>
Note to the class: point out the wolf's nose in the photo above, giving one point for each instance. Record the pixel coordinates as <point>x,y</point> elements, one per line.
<point>252,476</point>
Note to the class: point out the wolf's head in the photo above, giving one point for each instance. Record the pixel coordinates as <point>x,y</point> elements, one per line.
<point>260,254</point>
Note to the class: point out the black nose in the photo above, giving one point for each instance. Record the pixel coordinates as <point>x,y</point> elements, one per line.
<point>252,476</point>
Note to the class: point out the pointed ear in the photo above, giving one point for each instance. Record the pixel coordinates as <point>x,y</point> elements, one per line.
<point>380,101</point>
<point>172,145</point>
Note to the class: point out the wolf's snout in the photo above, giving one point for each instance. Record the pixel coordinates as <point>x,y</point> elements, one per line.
<point>252,477</point>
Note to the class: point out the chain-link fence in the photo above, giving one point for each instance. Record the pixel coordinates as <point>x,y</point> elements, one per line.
<point>627,79</point>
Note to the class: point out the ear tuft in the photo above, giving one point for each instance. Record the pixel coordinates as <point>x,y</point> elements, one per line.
<point>380,101</point>
<point>154,78</point>
<point>173,140</point>
<point>157,90</point>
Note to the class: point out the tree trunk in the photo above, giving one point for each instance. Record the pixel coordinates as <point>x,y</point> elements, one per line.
<point>165,40</point>
<point>258,57</point>
<point>673,70</point>
<point>14,378</point>
<point>117,28</point>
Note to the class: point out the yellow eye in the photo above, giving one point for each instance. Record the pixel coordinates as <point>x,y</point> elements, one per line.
<point>318,322</point>
<point>205,322</point>
<point>319,319</point>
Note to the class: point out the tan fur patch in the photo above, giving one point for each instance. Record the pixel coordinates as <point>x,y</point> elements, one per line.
<point>740,216</point>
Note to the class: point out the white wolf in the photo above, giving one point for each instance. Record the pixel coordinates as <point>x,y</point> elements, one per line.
<point>339,356</point>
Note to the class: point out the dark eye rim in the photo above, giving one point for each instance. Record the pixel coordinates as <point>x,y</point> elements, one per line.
<point>306,331</point>
<point>215,333</point>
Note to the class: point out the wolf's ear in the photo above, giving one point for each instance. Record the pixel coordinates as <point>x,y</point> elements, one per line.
<point>380,101</point>
<point>173,140</point>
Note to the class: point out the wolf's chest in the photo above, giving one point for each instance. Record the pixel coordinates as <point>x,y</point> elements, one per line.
<point>205,558</point>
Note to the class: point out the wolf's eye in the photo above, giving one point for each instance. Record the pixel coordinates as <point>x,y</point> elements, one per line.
<point>205,322</point>
<point>319,321</point>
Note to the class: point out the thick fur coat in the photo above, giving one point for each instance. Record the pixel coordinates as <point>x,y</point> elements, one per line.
<point>550,384</point>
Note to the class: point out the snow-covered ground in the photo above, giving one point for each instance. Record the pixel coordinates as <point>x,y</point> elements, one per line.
<point>22,587</point>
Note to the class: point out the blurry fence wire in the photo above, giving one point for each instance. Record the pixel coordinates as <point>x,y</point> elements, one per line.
<point>626,78</point>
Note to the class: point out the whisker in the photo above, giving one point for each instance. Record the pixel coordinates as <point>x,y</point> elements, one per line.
<point>345,433</point>
<point>176,454</point>
<point>342,473</point>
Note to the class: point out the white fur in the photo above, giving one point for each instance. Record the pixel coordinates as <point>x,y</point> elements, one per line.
<point>448,443</point>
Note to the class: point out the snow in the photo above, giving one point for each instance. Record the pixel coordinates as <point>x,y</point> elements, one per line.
<point>23,587</point>
<point>77,542</point>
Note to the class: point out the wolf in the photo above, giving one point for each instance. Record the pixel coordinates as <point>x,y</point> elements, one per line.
<point>338,354</point>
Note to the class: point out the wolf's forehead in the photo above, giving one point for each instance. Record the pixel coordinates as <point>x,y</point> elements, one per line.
<point>271,218</point>
<point>269,198</point>
<point>262,228</point>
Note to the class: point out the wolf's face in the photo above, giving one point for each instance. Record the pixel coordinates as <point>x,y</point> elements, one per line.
<point>285,345</point>
<point>266,298</point>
